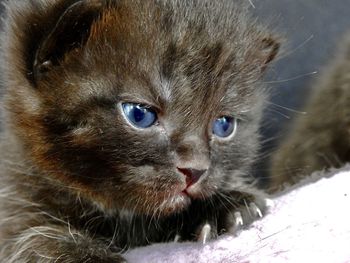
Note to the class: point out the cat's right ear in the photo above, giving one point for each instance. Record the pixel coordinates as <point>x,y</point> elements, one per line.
<point>41,33</point>
<point>70,31</point>
<point>268,48</point>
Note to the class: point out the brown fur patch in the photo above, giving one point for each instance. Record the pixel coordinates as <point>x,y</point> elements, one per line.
<point>89,175</point>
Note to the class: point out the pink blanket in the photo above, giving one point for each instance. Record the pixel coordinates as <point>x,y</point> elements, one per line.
<point>310,223</point>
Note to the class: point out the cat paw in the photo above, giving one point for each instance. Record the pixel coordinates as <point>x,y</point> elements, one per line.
<point>243,216</point>
<point>230,217</point>
<point>233,221</point>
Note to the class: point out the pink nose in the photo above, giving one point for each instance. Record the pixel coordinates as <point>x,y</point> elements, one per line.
<point>192,175</point>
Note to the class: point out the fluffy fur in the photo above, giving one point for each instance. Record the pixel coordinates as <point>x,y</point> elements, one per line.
<point>321,138</point>
<point>78,182</point>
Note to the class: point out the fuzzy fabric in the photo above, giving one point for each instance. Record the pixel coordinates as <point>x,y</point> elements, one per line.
<point>310,223</point>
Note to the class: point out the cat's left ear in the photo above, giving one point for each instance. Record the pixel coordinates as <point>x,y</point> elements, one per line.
<point>268,50</point>
<point>70,30</point>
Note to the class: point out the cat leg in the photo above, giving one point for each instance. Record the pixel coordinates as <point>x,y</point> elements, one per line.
<point>206,220</point>
<point>232,217</point>
<point>57,244</point>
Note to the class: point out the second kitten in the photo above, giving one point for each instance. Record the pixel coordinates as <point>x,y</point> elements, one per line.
<point>321,138</point>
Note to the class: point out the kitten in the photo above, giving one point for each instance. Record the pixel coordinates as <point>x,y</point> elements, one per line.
<point>321,138</point>
<point>127,122</point>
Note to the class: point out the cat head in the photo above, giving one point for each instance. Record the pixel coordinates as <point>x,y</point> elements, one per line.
<point>137,105</point>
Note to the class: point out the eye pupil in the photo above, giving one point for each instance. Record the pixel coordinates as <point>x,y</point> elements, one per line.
<point>224,126</point>
<point>140,116</point>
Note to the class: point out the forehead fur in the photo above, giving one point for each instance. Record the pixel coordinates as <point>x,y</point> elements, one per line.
<point>186,51</point>
<point>197,52</point>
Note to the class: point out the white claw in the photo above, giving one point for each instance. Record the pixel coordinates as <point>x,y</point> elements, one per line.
<point>238,219</point>
<point>204,235</point>
<point>255,210</point>
<point>177,238</point>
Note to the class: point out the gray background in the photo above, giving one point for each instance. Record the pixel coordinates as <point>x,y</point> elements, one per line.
<point>312,29</point>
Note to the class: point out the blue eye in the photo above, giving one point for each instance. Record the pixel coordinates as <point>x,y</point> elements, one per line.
<point>224,126</point>
<point>140,116</point>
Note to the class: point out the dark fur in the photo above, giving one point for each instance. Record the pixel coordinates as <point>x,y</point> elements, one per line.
<point>78,183</point>
<point>320,139</point>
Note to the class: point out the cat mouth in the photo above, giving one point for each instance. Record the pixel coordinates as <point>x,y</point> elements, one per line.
<point>195,191</point>
<point>189,194</point>
<point>181,199</point>
<point>181,196</point>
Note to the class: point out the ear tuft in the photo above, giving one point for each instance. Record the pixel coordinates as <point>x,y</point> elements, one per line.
<point>269,50</point>
<point>70,31</point>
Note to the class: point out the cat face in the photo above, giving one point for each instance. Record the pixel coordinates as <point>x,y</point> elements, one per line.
<point>141,105</point>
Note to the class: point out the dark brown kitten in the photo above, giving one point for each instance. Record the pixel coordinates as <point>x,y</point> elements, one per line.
<point>82,175</point>
<point>321,138</point>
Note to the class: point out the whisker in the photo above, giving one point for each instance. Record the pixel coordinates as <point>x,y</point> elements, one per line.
<point>251,3</point>
<point>292,78</point>
<point>292,51</point>
<point>280,113</point>
<point>286,108</point>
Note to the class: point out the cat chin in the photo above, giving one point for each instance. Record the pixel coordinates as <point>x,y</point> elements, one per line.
<point>174,204</point>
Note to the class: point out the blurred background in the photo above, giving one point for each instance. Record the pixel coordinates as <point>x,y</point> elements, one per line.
<point>312,30</point>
